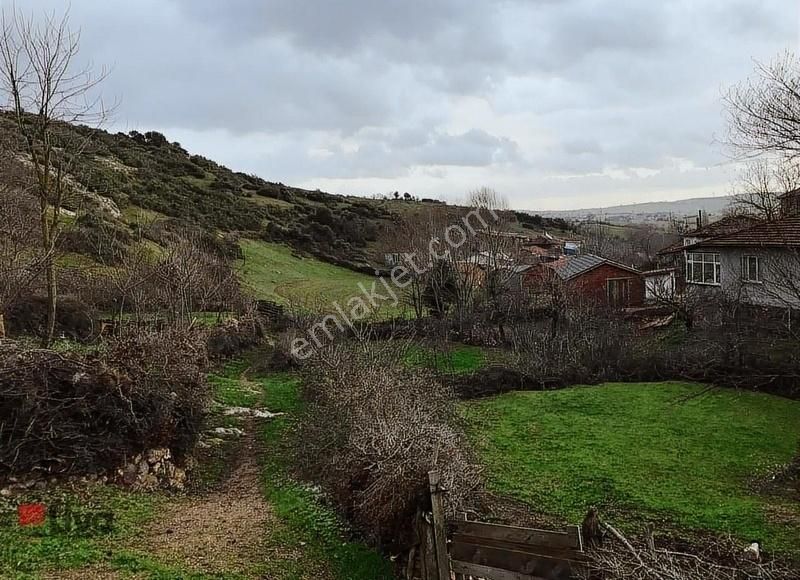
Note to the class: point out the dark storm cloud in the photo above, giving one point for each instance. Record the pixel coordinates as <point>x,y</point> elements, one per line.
<point>560,99</point>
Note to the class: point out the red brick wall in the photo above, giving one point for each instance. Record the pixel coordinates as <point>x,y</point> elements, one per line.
<point>593,284</point>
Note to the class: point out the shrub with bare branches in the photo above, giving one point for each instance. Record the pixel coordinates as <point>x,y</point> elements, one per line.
<point>375,428</point>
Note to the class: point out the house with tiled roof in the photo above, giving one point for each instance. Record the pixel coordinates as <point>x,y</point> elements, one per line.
<point>757,263</point>
<point>594,278</point>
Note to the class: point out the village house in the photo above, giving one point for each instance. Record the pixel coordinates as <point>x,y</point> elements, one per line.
<point>744,259</point>
<point>594,278</point>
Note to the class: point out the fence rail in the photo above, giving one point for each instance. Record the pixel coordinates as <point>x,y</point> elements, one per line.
<point>472,549</point>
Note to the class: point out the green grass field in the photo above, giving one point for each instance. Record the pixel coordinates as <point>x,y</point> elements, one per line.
<point>273,272</point>
<point>668,452</point>
<point>457,359</point>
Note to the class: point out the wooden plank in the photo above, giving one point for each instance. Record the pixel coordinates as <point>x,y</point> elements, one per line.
<point>476,570</point>
<point>534,550</point>
<point>531,564</point>
<point>565,540</point>
<point>439,529</point>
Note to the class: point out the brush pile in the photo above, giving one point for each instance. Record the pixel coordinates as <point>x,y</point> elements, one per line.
<point>72,414</point>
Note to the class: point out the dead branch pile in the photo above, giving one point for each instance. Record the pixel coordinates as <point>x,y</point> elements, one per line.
<point>375,428</point>
<point>72,414</point>
<point>621,559</point>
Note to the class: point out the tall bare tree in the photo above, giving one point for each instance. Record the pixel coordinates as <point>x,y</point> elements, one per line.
<point>764,111</point>
<point>47,88</point>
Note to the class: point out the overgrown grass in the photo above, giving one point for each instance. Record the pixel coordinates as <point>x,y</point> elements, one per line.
<point>308,522</point>
<point>229,389</point>
<point>274,272</point>
<point>673,453</point>
<point>458,359</point>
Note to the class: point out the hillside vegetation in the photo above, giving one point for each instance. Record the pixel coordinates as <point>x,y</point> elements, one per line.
<point>150,178</point>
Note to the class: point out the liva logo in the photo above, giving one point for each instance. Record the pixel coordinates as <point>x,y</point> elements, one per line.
<point>31,514</point>
<point>64,518</point>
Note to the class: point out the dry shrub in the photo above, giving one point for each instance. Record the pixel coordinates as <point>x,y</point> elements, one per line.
<point>234,336</point>
<point>723,560</point>
<point>374,430</point>
<point>74,318</point>
<point>73,414</point>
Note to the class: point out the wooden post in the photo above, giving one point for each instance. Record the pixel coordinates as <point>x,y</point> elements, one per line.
<point>429,552</point>
<point>439,531</point>
<point>2,326</point>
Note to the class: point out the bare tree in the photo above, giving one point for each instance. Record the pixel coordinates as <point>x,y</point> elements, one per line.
<point>45,89</point>
<point>759,184</point>
<point>191,279</point>
<point>764,111</point>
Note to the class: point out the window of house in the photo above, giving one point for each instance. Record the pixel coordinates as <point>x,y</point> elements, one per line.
<point>703,268</point>
<point>751,269</point>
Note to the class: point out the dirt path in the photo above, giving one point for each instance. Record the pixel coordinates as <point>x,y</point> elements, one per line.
<point>223,530</point>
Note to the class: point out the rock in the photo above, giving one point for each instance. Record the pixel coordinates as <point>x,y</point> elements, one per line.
<point>228,431</point>
<point>102,204</point>
<point>129,474</point>
<point>147,483</point>
<point>246,411</point>
<point>6,492</point>
<point>156,455</point>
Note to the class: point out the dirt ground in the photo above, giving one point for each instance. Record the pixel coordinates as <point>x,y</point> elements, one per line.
<point>220,531</point>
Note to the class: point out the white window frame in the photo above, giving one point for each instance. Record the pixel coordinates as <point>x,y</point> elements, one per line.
<point>704,263</point>
<point>747,269</point>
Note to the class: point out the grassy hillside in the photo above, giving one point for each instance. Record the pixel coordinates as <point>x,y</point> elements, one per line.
<point>274,272</point>
<point>671,452</point>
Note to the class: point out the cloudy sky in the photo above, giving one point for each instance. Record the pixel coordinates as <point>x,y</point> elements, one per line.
<point>557,104</point>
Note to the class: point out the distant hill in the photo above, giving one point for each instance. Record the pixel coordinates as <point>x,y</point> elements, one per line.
<point>679,208</point>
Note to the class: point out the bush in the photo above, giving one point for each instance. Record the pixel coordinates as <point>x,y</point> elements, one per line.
<point>375,428</point>
<point>72,414</point>
<point>234,336</point>
<point>74,318</point>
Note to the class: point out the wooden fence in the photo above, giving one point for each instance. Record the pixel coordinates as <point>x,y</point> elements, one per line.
<point>464,549</point>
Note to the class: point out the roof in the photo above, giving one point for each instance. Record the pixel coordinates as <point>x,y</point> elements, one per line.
<point>727,225</point>
<point>569,268</point>
<point>536,251</point>
<point>775,234</point>
<point>790,193</point>
<point>543,240</point>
